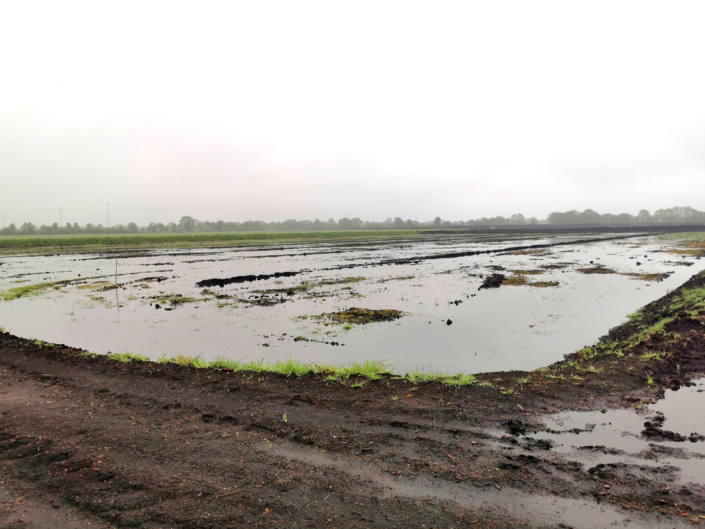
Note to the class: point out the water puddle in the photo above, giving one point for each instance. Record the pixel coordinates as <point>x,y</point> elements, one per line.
<point>554,300</point>
<point>623,436</point>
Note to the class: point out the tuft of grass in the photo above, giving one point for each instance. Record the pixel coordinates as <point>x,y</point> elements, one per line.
<point>576,377</point>
<point>422,377</point>
<point>292,367</point>
<point>587,353</point>
<point>486,384</point>
<point>507,391</point>
<point>636,316</point>
<point>523,380</point>
<point>192,361</point>
<point>649,381</point>
<point>31,290</point>
<point>41,343</point>
<point>650,356</point>
<point>2,330</point>
<point>127,356</point>
<point>459,380</point>
<point>372,369</point>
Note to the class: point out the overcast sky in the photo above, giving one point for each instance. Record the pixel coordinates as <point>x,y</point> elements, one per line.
<point>276,110</point>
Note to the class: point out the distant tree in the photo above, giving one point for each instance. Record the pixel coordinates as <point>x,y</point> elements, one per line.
<point>608,219</point>
<point>532,221</point>
<point>345,224</point>
<point>437,222</point>
<point>132,227</point>
<point>625,218</point>
<point>28,227</point>
<point>187,224</point>
<point>518,219</point>
<point>643,217</point>
<point>11,229</point>
<point>398,223</point>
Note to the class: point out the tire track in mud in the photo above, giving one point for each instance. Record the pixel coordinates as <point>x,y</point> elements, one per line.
<point>529,508</point>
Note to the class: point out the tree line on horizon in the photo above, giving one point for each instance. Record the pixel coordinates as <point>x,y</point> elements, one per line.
<point>589,217</point>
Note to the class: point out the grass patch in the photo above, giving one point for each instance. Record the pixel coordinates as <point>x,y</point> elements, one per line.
<point>651,356</point>
<point>519,279</point>
<point>17,244</point>
<point>459,380</point>
<point>127,357</point>
<point>31,290</point>
<point>596,270</point>
<point>360,316</point>
<point>192,361</point>
<point>292,367</point>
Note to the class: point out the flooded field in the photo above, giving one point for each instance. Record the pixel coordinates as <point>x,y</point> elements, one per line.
<point>418,305</point>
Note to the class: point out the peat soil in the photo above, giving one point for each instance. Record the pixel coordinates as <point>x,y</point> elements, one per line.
<point>90,441</point>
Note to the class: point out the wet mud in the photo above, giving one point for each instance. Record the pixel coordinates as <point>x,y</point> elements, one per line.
<point>360,316</point>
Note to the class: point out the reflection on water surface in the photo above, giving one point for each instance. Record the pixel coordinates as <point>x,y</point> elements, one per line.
<point>548,306</point>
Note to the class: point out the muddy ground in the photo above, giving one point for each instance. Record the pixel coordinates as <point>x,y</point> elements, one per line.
<point>89,441</point>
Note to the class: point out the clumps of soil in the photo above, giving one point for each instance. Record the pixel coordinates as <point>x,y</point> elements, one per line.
<point>515,281</point>
<point>100,286</point>
<point>493,281</point>
<point>556,266</point>
<point>679,263</point>
<point>520,280</point>
<point>221,282</point>
<point>400,278</point>
<point>690,248</point>
<point>543,284</point>
<point>599,269</point>
<point>360,316</point>
<point>538,252</point>
<point>306,286</point>
<point>174,299</point>
<point>649,277</point>
<point>533,272</point>
<point>342,280</point>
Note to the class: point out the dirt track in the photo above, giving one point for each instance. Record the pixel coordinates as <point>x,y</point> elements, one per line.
<point>91,440</point>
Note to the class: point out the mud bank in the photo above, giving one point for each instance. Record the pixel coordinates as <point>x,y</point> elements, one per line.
<point>143,444</point>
